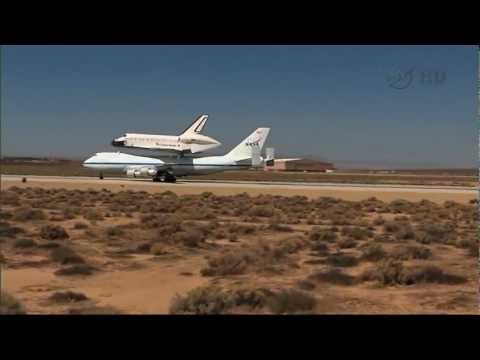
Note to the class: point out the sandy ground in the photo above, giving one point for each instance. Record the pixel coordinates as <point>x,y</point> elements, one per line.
<point>353,192</point>
<point>144,287</point>
<point>146,284</point>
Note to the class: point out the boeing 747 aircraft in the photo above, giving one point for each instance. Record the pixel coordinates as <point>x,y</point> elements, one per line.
<point>244,156</point>
<point>188,142</point>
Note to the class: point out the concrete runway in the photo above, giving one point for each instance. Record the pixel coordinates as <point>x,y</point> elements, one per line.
<point>346,191</point>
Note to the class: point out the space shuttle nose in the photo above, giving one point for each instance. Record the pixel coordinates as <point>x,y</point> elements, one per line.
<point>118,142</point>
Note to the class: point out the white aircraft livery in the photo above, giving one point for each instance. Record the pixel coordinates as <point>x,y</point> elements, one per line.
<point>189,141</point>
<point>244,156</point>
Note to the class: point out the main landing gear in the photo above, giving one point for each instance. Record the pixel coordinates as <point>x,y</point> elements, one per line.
<point>167,177</point>
<point>100,176</point>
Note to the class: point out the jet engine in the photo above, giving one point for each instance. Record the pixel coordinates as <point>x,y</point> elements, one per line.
<point>141,172</point>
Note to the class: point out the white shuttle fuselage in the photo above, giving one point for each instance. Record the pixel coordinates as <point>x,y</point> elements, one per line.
<point>188,142</point>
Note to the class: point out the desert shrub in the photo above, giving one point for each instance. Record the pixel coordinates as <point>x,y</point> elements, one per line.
<point>49,245</point>
<point>383,238</point>
<point>431,274</point>
<point>320,248</point>
<point>165,223</point>
<point>405,233</point>
<point>411,252</point>
<point>93,215</point>
<point>357,233</point>
<point>400,206</point>
<point>261,211</point>
<point>70,213</point>
<point>392,272</point>
<point>391,227</point>
<point>144,247</point>
<point>338,219</point>
<point>189,237</point>
<point>205,228</point>
<point>230,263</point>
<point>157,249</point>
<point>290,244</point>
<point>388,272</point>
<point>279,227</point>
<point>219,234</point>
<point>215,300</point>
<point>470,244</point>
<point>319,234</point>
<point>378,221</point>
<point>373,252</point>
<point>333,276</point>
<point>473,249</point>
<point>305,285</point>
<point>401,229</point>
<point>80,269</point>
<point>56,218</point>
<point>10,306</point>
<point>6,230</point>
<point>341,259</point>
<point>5,215</point>
<point>25,214</point>
<point>113,231</point>
<point>90,234</point>
<point>65,255</point>
<point>67,297</point>
<point>94,310</point>
<point>53,232</point>
<point>24,243</point>
<point>347,243</point>
<point>261,257</point>
<point>233,238</point>
<point>9,198</point>
<point>435,233</point>
<point>241,229</point>
<point>195,213</point>
<point>291,301</point>
<point>80,225</point>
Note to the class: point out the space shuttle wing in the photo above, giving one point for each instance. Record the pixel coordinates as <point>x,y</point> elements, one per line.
<point>197,126</point>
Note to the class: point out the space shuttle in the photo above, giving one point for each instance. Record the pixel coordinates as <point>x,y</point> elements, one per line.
<point>190,141</point>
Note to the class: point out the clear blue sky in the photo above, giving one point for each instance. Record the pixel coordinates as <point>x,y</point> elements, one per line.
<point>333,102</point>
